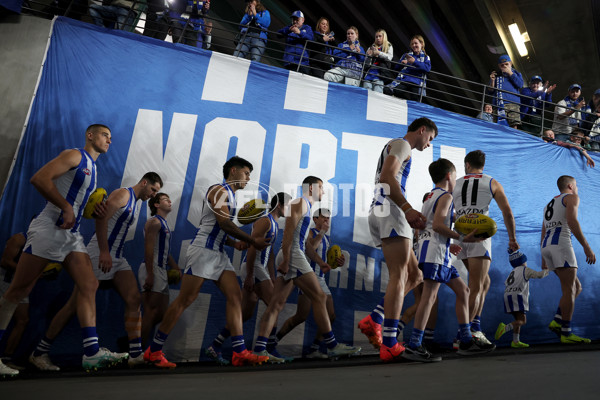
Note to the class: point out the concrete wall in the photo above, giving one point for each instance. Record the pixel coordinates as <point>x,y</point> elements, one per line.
<point>22,47</point>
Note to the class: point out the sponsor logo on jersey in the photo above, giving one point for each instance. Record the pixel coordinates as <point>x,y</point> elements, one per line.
<point>87,171</point>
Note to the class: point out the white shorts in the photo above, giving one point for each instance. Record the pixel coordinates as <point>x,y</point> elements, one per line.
<point>387,221</point>
<point>5,285</point>
<point>298,264</point>
<point>260,273</point>
<point>161,281</point>
<point>206,263</point>
<point>46,240</point>
<point>118,264</point>
<point>479,249</point>
<point>322,284</point>
<point>559,256</point>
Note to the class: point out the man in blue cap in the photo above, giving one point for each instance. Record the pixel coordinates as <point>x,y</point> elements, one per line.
<point>296,57</point>
<point>505,87</point>
<point>532,103</point>
<point>567,115</point>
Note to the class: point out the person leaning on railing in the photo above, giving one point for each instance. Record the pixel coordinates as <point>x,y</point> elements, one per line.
<point>296,56</point>
<point>414,66</point>
<point>157,24</point>
<point>567,113</point>
<point>252,39</point>
<point>350,56</point>
<point>321,59</point>
<point>187,20</point>
<point>532,103</point>
<point>379,56</point>
<point>548,137</point>
<point>114,12</point>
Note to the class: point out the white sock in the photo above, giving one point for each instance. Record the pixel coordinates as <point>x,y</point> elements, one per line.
<point>516,338</point>
<point>508,327</point>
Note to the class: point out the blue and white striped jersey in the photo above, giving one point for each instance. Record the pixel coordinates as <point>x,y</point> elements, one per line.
<point>210,235</point>
<point>75,186</point>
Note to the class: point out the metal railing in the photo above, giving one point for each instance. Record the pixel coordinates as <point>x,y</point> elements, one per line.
<point>437,89</point>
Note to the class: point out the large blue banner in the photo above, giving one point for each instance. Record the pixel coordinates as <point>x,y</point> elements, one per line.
<point>182,112</point>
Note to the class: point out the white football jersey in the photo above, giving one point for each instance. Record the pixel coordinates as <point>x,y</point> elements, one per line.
<point>555,222</point>
<point>473,194</point>
<point>433,247</point>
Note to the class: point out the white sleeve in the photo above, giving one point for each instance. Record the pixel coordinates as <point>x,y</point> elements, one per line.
<point>400,149</point>
<point>389,55</point>
<point>561,107</point>
<point>531,273</point>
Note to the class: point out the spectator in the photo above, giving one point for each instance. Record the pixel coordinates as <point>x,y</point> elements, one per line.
<point>322,54</point>
<point>253,34</point>
<point>532,103</point>
<point>486,114</point>
<point>296,56</point>
<point>207,36</point>
<point>115,12</point>
<point>506,87</point>
<point>380,56</point>
<point>548,137</point>
<point>591,121</point>
<point>566,113</point>
<point>157,24</point>
<point>350,56</point>
<point>410,82</point>
<point>187,20</point>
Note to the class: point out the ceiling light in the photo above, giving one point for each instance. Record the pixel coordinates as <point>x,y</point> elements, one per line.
<point>518,39</point>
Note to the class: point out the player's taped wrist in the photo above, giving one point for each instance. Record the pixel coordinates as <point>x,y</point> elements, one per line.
<point>406,207</point>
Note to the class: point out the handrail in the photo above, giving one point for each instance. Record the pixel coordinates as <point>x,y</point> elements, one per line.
<point>458,94</point>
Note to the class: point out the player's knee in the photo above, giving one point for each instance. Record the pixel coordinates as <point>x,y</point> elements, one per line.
<point>133,299</point>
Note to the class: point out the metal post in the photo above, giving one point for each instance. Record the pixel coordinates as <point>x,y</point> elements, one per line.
<point>422,86</point>
<point>483,99</point>
<point>187,22</point>
<point>543,113</point>
<point>301,56</point>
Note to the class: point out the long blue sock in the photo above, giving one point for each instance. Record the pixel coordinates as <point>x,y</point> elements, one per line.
<point>221,337</point>
<point>416,338</point>
<point>159,341</point>
<point>135,347</point>
<point>260,344</point>
<point>389,332</point>
<point>43,347</point>
<point>465,332</point>
<point>565,329</point>
<point>558,316</point>
<point>428,335</point>
<point>377,314</point>
<point>329,339</point>
<point>272,342</point>
<point>238,344</point>
<point>90,340</point>
<point>476,324</point>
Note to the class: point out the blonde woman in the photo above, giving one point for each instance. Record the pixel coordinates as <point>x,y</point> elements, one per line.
<point>381,53</point>
<point>350,56</point>
<point>414,66</point>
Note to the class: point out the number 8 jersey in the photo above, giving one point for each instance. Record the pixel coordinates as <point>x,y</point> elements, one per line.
<point>555,222</point>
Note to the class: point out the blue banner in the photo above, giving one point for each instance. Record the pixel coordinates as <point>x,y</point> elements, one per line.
<point>182,112</point>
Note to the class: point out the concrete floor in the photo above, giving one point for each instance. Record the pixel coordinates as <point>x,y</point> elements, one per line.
<point>546,372</point>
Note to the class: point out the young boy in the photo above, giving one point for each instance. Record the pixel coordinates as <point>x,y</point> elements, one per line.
<point>434,260</point>
<point>516,296</point>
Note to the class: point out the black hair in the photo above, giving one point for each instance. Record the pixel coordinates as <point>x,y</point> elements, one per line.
<point>322,211</point>
<point>439,168</point>
<point>152,178</point>
<point>423,121</point>
<point>237,162</point>
<point>476,159</point>
<point>93,127</point>
<point>155,199</point>
<point>279,198</point>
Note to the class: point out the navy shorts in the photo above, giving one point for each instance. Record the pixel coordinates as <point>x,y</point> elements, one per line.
<point>438,273</point>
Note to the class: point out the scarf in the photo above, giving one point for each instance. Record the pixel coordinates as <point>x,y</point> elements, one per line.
<point>571,104</point>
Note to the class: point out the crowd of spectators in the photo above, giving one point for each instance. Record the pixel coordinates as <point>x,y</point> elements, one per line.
<point>317,52</point>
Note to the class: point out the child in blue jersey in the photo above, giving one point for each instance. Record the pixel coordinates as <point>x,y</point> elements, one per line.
<point>516,296</point>
<point>317,244</point>
<point>434,260</point>
<point>152,274</point>
<point>257,273</point>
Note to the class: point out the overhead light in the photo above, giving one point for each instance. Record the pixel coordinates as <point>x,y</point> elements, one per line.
<point>518,39</point>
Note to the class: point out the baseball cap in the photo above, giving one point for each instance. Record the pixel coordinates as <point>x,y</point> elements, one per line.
<point>516,258</point>
<point>536,78</point>
<point>597,92</point>
<point>575,86</point>
<point>298,14</point>
<point>504,58</point>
